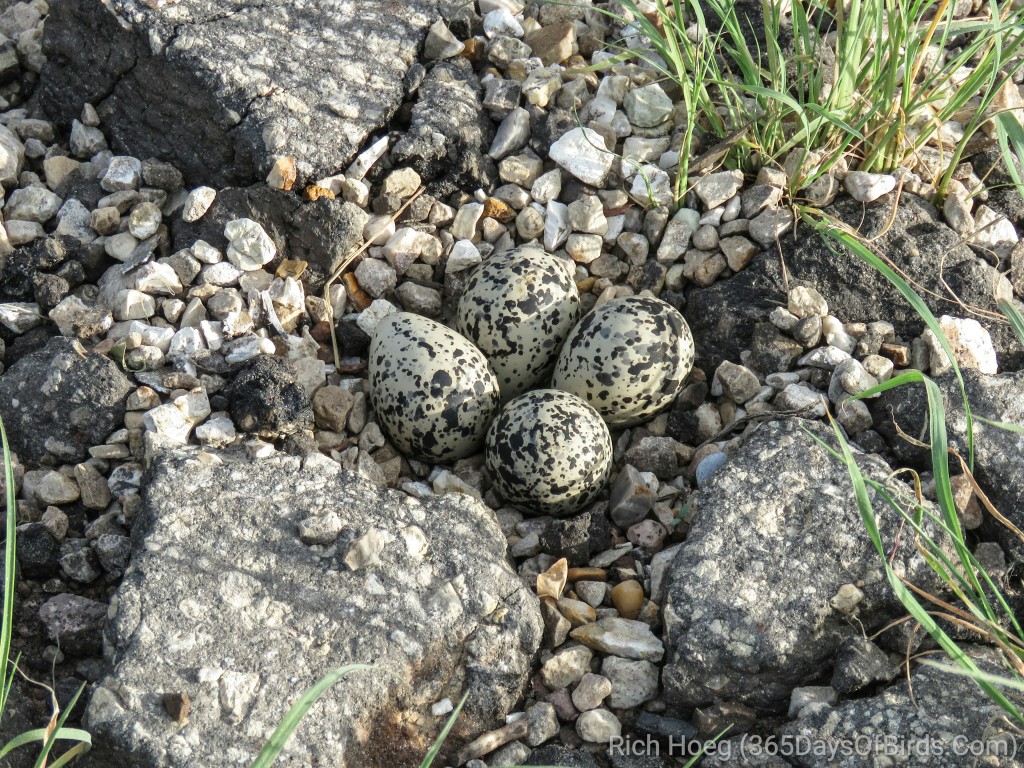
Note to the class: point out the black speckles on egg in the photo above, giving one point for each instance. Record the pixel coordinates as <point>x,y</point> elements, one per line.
<point>432,390</point>
<point>628,359</point>
<point>549,452</point>
<point>518,307</point>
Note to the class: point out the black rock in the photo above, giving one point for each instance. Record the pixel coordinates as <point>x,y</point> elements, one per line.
<point>577,538</point>
<point>24,344</point>
<point>87,191</point>
<point>38,551</point>
<point>649,760</point>
<point>725,316</point>
<point>62,400</point>
<point>48,290</point>
<point>47,254</point>
<point>161,175</point>
<point>665,729</point>
<point>450,132</point>
<point>683,426</point>
<point>323,233</point>
<point>770,351</point>
<point>354,342</point>
<point>561,756</point>
<point>270,208</point>
<point>330,75</point>
<point>267,399</point>
<point>860,663</point>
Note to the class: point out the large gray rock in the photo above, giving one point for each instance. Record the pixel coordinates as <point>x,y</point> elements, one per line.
<point>776,534</point>
<point>60,401</point>
<point>935,722</point>
<point>222,601</point>
<point>223,91</point>
<point>998,452</point>
<point>723,317</point>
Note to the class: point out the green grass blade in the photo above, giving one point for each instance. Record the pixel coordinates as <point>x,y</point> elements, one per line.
<point>1016,428</point>
<point>60,732</point>
<point>298,710</point>
<point>76,751</point>
<point>1014,316</point>
<point>1010,135</point>
<point>39,734</point>
<point>431,756</point>
<point>28,737</point>
<point>1001,680</point>
<point>9,568</point>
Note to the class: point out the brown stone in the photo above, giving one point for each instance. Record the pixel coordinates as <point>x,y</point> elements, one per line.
<point>178,706</point>
<point>628,598</point>
<point>553,44</point>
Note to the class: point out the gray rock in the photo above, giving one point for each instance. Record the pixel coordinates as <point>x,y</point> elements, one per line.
<point>756,648</point>
<point>75,622</point>
<point>449,133</point>
<point>724,316</point>
<point>861,663</point>
<point>78,561</point>
<point>421,590</point>
<point>60,401</point>
<point>155,73</point>
<point>997,451</point>
<point>561,756</point>
<point>938,706</point>
<point>113,553</point>
<point>267,399</point>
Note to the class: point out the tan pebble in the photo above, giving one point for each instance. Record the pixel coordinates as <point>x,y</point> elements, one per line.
<point>551,583</point>
<point>577,612</point>
<point>628,598</point>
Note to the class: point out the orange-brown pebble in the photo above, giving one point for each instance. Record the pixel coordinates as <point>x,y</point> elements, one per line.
<point>587,574</point>
<point>474,49</point>
<point>359,298</point>
<point>498,210</point>
<point>628,598</point>
<point>314,192</point>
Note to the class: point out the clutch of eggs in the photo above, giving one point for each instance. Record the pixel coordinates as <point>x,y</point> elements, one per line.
<point>517,308</point>
<point>433,392</point>
<point>628,359</point>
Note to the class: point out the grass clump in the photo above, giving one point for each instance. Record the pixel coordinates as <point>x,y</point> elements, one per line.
<point>864,83</point>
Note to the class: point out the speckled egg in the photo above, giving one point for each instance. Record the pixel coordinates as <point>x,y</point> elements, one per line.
<point>518,307</point>
<point>433,391</point>
<point>628,359</point>
<point>549,452</point>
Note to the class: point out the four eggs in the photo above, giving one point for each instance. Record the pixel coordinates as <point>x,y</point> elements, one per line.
<point>440,395</point>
